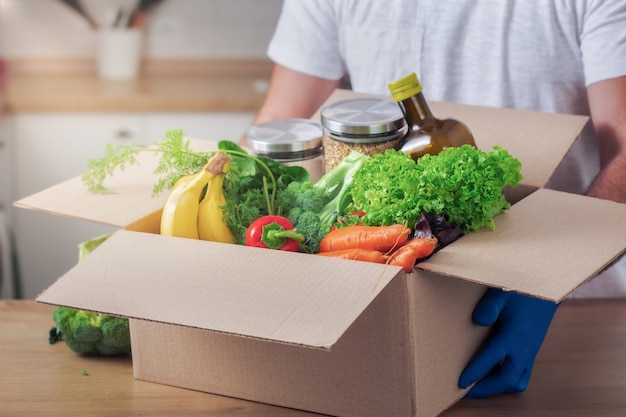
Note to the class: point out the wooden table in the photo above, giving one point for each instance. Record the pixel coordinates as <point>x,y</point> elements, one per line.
<point>580,372</point>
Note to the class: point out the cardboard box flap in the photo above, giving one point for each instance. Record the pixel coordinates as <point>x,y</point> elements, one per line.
<point>546,228</point>
<point>539,140</point>
<point>130,198</point>
<point>286,297</point>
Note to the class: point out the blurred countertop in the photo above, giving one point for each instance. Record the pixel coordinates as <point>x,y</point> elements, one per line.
<point>162,86</point>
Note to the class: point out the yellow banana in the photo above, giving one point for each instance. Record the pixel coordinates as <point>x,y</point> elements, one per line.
<point>180,212</point>
<point>211,223</point>
<point>183,180</point>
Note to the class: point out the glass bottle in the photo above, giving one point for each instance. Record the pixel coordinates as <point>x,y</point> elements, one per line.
<point>427,134</point>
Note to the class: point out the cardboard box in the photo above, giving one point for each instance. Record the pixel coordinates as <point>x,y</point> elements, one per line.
<point>337,337</point>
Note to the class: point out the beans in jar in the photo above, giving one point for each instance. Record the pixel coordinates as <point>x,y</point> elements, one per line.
<point>366,125</point>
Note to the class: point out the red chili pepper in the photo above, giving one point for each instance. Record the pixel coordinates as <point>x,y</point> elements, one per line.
<point>274,232</point>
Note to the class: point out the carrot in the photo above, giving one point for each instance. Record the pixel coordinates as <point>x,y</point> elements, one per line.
<point>355,254</point>
<point>414,249</point>
<point>380,238</point>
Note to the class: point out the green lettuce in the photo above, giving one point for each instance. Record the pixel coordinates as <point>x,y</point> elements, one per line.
<point>463,183</point>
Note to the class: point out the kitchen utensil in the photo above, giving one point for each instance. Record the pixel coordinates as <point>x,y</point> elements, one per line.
<point>78,8</point>
<point>140,14</point>
<point>124,14</point>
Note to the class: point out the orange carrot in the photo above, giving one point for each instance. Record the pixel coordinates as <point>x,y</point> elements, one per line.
<point>414,249</point>
<point>380,238</point>
<point>355,254</point>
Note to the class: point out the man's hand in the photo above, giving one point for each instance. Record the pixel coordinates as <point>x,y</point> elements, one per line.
<point>505,363</point>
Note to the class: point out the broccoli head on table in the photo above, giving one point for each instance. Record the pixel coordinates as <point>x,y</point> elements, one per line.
<point>90,333</point>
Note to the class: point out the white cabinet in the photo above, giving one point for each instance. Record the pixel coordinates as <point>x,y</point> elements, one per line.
<point>50,148</point>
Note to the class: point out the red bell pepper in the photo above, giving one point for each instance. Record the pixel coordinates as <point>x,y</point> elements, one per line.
<point>274,232</point>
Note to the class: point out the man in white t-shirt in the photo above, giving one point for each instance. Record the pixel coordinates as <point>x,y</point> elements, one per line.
<point>566,56</point>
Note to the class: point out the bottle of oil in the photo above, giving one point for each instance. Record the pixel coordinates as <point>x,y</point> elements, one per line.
<point>427,134</point>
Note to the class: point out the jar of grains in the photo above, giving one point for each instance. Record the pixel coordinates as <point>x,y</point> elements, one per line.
<point>290,142</point>
<point>367,125</point>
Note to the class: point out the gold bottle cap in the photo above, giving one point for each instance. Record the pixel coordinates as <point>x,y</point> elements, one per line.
<point>405,87</point>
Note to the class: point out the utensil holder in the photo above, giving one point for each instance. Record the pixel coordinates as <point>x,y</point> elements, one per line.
<point>119,53</point>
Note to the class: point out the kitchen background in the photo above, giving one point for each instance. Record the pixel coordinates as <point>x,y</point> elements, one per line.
<point>176,28</point>
<point>203,70</point>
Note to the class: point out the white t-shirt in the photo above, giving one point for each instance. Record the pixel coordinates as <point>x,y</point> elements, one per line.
<point>537,55</point>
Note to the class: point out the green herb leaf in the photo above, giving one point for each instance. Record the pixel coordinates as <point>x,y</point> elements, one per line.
<point>115,157</point>
<point>177,160</point>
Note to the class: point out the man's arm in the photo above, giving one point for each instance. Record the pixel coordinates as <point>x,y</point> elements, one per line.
<point>293,94</point>
<point>607,101</point>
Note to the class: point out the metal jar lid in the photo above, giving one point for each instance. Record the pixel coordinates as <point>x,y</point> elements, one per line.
<point>363,117</point>
<point>289,139</point>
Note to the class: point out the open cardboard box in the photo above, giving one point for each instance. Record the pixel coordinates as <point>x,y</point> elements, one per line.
<point>337,337</point>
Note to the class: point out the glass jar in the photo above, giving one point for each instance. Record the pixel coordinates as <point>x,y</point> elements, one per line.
<point>367,125</point>
<point>290,142</point>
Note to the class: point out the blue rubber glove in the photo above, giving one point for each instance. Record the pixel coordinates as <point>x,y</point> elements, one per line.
<point>506,361</point>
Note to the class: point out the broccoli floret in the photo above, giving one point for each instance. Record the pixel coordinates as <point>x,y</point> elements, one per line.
<point>293,215</point>
<point>313,207</point>
<point>301,195</point>
<point>87,332</point>
<point>115,336</point>
<point>310,225</point>
<point>91,333</point>
<point>301,202</point>
<point>85,327</point>
<point>335,186</point>
<point>307,197</point>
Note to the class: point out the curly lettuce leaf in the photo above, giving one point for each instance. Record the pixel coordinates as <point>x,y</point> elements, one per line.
<point>463,183</point>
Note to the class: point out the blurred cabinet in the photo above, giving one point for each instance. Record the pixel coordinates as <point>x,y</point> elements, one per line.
<point>210,126</point>
<point>6,272</point>
<point>5,167</point>
<point>50,148</point>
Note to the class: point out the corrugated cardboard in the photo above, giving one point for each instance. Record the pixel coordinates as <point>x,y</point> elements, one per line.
<point>337,337</point>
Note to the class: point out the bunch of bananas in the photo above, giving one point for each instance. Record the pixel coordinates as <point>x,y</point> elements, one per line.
<point>187,213</point>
